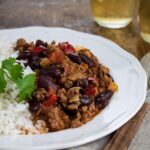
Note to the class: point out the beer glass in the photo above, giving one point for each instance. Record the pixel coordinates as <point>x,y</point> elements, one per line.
<point>144,19</point>
<point>113,13</point>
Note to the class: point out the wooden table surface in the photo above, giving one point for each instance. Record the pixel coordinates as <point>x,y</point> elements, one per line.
<point>74,14</point>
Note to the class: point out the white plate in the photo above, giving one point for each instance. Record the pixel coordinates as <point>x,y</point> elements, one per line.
<point>125,69</point>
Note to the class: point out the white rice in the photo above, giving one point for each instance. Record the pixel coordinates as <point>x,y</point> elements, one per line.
<point>15,117</point>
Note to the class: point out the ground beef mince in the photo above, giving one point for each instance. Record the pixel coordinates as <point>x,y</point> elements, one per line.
<point>72,86</point>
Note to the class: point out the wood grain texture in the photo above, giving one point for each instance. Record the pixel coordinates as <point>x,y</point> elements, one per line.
<point>123,136</point>
<point>74,14</point>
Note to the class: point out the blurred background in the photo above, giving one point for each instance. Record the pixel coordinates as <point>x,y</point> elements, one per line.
<point>74,14</point>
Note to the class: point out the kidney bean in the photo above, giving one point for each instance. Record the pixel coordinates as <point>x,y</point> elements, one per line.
<point>56,66</point>
<point>46,82</point>
<point>103,98</point>
<point>82,83</point>
<point>34,61</point>
<point>24,55</point>
<point>40,42</point>
<point>67,111</point>
<point>53,71</point>
<point>86,60</point>
<point>71,112</point>
<point>33,105</point>
<point>34,65</point>
<point>75,58</point>
<point>85,100</point>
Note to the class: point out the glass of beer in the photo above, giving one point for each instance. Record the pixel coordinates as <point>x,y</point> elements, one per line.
<point>144,19</point>
<point>113,13</point>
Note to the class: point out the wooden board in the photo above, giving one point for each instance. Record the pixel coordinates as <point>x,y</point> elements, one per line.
<point>123,136</point>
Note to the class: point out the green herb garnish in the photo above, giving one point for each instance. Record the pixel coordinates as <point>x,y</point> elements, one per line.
<point>14,71</point>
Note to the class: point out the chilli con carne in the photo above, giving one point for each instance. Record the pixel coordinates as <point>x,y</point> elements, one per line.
<point>72,86</point>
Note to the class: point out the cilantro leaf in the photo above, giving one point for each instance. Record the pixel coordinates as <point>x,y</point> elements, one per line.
<point>26,86</point>
<point>27,81</point>
<point>2,81</point>
<point>26,92</point>
<point>15,70</point>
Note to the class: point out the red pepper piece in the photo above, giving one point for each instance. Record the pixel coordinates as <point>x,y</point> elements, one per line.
<point>52,99</point>
<point>38,50</point>
<point>67,48</point>
<point>90,90</point>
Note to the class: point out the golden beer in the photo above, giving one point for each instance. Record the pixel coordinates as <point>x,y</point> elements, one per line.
<point>144,14</point>
<point>113,13</point>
